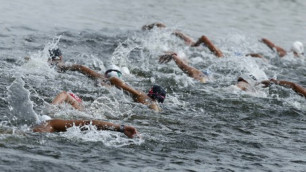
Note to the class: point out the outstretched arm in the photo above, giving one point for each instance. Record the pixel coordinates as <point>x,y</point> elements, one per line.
<point>295,87</point>
<point>255,55</point>
<point>86,71</point>
<point>209,45</point>
<point>65,97</point>
<point>59,125</point>
<point>281,52</point>
<point>189,70</point>
<point>151,26</point>
<point>138,96</point>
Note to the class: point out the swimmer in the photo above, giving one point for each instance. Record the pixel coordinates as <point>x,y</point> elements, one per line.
<point>248,83</point>
<point>188,40</point>
<point>192,72</point>
<point>60,125</point>
<point>155,94</point>
<point>112,76</point>
<point>70,98</point>
<point>203,40</point>
<point>56,56</point>
<point>297,48</point>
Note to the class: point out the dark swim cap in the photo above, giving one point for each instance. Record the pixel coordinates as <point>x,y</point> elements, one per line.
<point>157,93</point>
<point>55,53</point>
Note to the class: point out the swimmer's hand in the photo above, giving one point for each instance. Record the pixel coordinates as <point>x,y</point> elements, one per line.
<point>268,83</point>
<point>166,57</point>
<point>151,26</point>
<point>130,131</point>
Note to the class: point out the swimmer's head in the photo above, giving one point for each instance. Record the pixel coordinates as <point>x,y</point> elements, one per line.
<point>298,48</point>
<point>157,93</point>
<point>248,78</point>
<point>55,53</point>
<point>113,71</point>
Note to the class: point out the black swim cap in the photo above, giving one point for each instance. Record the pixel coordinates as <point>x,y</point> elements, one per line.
<point>157,93</point>
<point>55,53</point>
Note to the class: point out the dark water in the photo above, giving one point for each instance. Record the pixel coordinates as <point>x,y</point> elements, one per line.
<point>203,127</point>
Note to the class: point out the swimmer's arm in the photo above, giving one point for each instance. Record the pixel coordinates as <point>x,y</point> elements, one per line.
<point>151,26</point>
<point>209,45</point>
<point>295,87</point>
<point>84,70</point>
<point>189,70</point>
<point>58,125</point>
<point>65,97</point>
<point>187,39</point>
<point>281,52</point>
<point>255,55</point>
<point>122,85</point>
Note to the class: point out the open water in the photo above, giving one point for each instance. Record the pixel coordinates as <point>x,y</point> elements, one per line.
<point>203,127</point>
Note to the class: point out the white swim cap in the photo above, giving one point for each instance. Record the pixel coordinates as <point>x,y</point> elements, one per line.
<point>298,47</point>
<point>113,71</point>
<point>249,78</point>
<point>44,118</point>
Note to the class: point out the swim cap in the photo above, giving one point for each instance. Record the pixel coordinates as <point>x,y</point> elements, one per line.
<point>113,71</point>
<point>298,47</point>
<point>75,97</point>
<point>55,53</point>
<point>249,78</point>
<point>44,118</point>
<point>157,93</point>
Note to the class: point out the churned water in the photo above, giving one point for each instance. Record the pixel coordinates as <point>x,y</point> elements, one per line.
<point>203,127</point>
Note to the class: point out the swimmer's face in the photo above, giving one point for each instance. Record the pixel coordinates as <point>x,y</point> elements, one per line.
<point>297,54</point>
<point>243,84</point>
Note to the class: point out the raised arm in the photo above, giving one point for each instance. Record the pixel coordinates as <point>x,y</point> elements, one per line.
<point>189,70</point>
<point>295,87</point>
<point>68,98</point>
<point>151,26</point>
<point>59,125</point>
<point>281,52</point>
<point>184,37</point>
<point>209,45</point>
